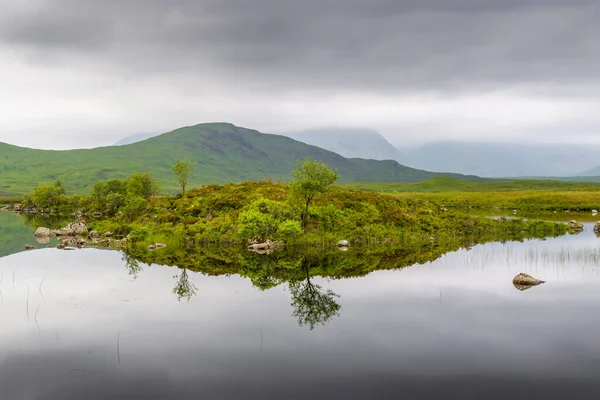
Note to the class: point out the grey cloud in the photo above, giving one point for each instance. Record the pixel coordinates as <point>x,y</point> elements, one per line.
<point>378,46</point>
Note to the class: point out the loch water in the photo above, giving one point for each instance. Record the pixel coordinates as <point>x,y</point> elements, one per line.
<point>94,324</point>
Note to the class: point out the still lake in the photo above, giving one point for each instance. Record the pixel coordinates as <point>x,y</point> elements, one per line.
<point>82,325</point>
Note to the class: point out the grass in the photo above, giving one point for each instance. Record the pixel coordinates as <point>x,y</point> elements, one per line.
<point>532,195</point>
<point>5,200</point>
<point>447,184</point>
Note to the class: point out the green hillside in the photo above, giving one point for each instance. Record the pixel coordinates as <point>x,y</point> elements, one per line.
<point>222,152</point>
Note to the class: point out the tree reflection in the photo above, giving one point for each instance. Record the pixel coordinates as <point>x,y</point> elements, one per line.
<point>312,305</point>
<point>132,265</point>
<point>184,288</point>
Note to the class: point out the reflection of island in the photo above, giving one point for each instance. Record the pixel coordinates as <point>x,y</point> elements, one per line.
<point>312,305</point>
<point>295,267</point>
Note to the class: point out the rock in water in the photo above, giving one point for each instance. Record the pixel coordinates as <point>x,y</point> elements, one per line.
<point>597,229</point>
<point>524,281</point>
<point>575,226</point>
<point>42,232</point>
<point>29,247</point>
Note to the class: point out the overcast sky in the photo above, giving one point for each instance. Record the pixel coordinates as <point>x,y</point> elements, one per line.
<point>82,73</point>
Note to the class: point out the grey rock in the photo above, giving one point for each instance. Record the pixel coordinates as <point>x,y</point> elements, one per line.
<point>42,232</point>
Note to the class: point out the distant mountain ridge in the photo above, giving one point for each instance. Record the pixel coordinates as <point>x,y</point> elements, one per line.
<point>222,152</point>
<point>348,142</point>
<point>495,160</point>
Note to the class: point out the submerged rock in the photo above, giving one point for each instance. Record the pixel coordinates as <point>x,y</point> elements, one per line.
<point>524,281</point>
<point>29,247</point>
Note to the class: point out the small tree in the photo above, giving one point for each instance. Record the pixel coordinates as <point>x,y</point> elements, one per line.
<point>183,169</point>
<point>310,179</point>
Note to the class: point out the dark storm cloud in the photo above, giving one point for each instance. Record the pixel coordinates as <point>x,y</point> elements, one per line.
<point>379,45</point>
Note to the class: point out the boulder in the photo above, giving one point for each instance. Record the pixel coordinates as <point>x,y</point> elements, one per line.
<point>108,234</point>
<point>160,245</point>
<point>79,227</point>
<point>151,247</point>
<point>97,214</point>
<point>575,226</point>
<point>343,243</point>
<point>524,281</point>
<point>597,229</point>
<point>60,246</point>
<point>42,232</point>
<point>442,208</point>
<point>94,235</point>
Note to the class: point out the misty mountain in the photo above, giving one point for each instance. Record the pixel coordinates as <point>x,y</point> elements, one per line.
<point>503,159</point>
<point>594,171</point>
<point>350,142</point>
<point>135,138</point>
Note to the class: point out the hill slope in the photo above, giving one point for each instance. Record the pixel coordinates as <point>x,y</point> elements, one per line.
<point>222,152</point>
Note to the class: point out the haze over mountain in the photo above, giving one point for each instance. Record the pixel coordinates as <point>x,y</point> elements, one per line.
<point>138,137</point>
<point>503,159</point>
<point>222,153</point>
<point>348,142</point>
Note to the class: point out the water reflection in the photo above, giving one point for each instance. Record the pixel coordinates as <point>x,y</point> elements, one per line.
<point>96,324</point>
<point>184,288</point>
<point>312,304</point>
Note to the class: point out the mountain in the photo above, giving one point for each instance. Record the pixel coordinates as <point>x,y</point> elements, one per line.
<point>222,152</point>
<point>359,143</point>
<point>135,138</point>
<point>503,159</point>
<point>594,171</point>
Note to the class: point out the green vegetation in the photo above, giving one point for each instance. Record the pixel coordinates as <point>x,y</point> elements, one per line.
<point>447,184</point>
<point>309,210</point>
<point>521,195</point>
<point>221,152</point>
<point>183,169</point>
<point>233,213</point>
<point>310,179</point>
<point>8,200</point>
